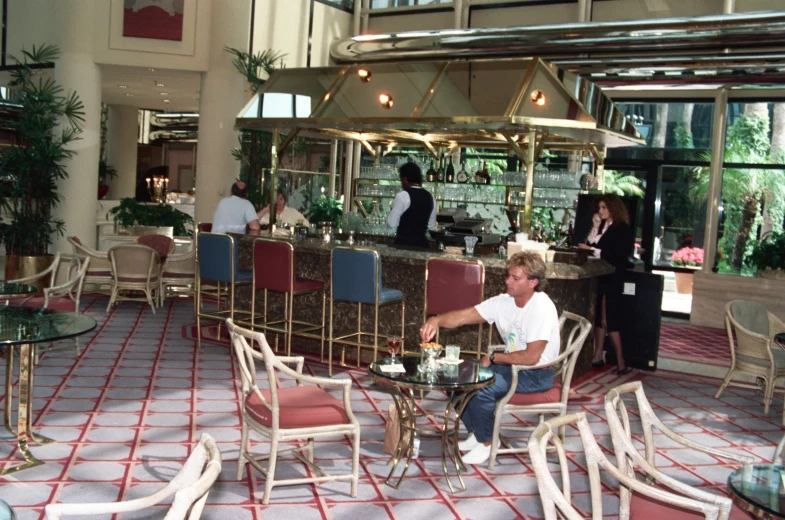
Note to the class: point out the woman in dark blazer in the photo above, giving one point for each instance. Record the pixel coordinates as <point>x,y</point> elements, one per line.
<point>613,244</point>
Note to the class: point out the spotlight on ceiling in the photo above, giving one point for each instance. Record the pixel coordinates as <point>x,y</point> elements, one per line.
<point>365,75</point>
<point>386,100</point>
<point>538,97</point>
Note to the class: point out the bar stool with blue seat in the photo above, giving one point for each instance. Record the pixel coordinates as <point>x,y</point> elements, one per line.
<point>455,284</point>
<point>218,264</point>
<point>274,270</point>
<point>357,278</point>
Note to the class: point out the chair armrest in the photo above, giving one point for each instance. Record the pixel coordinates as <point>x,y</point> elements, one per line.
<point>34,277</point>
<point>741,459</point>
<point>495,348</point>
<point>299,361</point>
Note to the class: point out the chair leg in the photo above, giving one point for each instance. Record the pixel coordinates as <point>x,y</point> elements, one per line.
<point>330,343</point>
<point>321,331</point>
<point>725,382</point>
<point>289,317</point>
<point>111,299</point>
<point>768,393</point>
<point>359,331</point>
<point>497,421</point>
<point>355,462</point>
<point>241,460</point>
<point>269,482</point>
<point>149,299</point>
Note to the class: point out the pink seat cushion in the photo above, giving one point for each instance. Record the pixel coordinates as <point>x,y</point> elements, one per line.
<point>644,508</point>
<point>58,303</point>
<point>168,274</point>
<point>103,274</point>
<point>136,279</point>
<point>549,396</point>
<point>306,284</point>
<point>300,407</point>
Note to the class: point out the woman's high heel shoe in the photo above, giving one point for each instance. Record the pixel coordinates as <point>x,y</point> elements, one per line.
<point>623,371</point>
<point>597,364</point>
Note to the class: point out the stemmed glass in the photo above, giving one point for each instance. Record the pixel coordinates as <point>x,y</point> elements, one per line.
<point>393,347</point>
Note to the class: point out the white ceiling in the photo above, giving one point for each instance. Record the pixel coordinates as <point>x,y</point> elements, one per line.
<point>140,87</point>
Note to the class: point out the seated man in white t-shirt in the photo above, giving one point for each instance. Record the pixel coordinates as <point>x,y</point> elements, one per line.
<point>527,320</point>
<point>234,213</point>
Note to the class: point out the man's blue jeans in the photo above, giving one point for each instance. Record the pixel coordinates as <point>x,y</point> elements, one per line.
<point>478,414</point>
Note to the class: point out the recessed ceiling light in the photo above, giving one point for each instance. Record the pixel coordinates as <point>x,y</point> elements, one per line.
<point>167,101</point>
<point>129,94</point>
<point>164,93</point>
<point>160,85</point>
<point>151,70</point>
<point>122,86</point>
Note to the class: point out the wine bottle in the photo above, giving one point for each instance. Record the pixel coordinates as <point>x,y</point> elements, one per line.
<point>440,171</point>
<point>462,176</point>
<point>486,177</point>
<point>450,172</point>
<point>430,175</point>
<point>478,178</point>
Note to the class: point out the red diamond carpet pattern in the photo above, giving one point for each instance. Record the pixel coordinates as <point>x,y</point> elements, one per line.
<point>128,410</point>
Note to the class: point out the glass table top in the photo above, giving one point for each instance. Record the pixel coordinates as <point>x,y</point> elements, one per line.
<point>465,376</point>
<point>6,513</point>
<point>780,337</point>
<point>33,325</point>
<point>761,486</point>
<point>16,289</point>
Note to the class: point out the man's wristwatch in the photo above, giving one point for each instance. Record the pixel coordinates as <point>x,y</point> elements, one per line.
<point>492,356</point>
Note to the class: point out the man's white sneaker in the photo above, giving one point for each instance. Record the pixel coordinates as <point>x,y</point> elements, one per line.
<point>478,455</point>
<point>468,444</point>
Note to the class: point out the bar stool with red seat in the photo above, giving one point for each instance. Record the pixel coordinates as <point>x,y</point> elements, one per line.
<point>451,285</point>
<point>274,270</point>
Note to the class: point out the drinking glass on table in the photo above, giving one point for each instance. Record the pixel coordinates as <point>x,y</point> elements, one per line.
<point>393,346</point>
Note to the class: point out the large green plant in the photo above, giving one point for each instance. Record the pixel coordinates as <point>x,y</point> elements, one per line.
<point>49,121</point>
<point>621,184</point>
<point>131,212</point>
<point>325,209</point>
<point>770,252</point>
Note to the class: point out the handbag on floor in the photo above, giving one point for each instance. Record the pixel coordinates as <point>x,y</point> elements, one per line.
<point>392,431</point>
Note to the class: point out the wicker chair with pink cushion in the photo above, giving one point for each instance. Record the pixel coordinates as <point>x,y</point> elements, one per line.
<point>285,414</point>
<point>675,501</point>
<point>638,504</point>
<point>68,268</point>
<point>189,489</point>
<point>100,271</point>
<point>162,244</point>
<point>550,402</point>
<point>135,268</point>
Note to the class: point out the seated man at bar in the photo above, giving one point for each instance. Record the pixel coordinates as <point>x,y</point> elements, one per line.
<point>234,213</point>
<point>527,320</point>
<point>413,211</point>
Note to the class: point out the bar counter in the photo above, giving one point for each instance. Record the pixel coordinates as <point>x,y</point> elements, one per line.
<point>572,288</point>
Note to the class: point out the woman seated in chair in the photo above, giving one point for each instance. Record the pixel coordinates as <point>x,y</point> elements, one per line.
<point>527,320</point>
<point>283,214</point>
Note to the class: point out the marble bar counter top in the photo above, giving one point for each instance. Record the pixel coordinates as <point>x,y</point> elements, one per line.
<point>572,288</point>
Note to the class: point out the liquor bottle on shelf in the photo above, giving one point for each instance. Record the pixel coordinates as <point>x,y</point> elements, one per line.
<point>570,233</point>
<point>430,175</point>
<point>485,175</point>
<point>440,171</point>
<point>450,175</point>
<point>462,176</point>
<point>478,178</point>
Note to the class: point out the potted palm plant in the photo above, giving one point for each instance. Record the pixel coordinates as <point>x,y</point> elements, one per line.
<point>768,256</point>
<point>49,120</point>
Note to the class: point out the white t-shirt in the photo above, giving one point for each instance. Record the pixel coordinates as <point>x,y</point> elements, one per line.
<point>289,216</point>
<point>232,215</point>
<point>535,321</point>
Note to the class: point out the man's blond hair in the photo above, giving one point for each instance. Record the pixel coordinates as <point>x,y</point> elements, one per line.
<point>533,264</point>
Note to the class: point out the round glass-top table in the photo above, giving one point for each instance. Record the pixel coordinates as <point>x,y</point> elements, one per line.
<point>780,338</point>
<point>16,289</point>
<point>6,513</point>
<point>24,327</point>
<point>759,489</point>
<point>460,383</point>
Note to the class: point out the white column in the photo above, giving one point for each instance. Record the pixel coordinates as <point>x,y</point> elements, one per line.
<point>221,100</point>
<point>121,146</point>
<point>76,71</point>
<point>714,195</point>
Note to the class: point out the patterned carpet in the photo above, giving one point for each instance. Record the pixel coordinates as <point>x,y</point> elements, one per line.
<point>127,411</point>
<point>686,342</point>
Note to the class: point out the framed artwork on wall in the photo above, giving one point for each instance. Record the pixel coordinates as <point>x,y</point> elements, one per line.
<point>155,19</point>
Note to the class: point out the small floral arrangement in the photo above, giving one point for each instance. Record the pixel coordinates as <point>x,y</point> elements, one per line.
<point>688,257</point>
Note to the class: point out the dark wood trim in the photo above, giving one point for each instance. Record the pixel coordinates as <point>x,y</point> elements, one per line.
<point>5,34</point>
<point>310,34</point>
<point>253,20</point>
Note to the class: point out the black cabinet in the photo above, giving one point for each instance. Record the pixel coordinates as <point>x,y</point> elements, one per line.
<point>641,318</point>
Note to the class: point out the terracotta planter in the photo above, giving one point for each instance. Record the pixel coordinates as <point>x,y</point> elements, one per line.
<point>103,189</point>
<point>683,282</point>
<point>23,266</point>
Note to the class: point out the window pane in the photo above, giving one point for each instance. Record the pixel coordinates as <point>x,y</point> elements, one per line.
<point>755,133</point>
<point>753,203</point>
<point>682,215</point>
<point>383,4</point>
<point>346,4</point>
<point>672,125</point>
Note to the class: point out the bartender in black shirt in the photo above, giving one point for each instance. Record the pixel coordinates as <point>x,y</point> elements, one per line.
<point>414,210</point>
